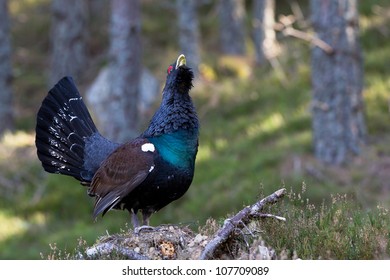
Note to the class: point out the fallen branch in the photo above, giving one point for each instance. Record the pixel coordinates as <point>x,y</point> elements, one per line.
<point>239,221</point>
<point>109,248</point>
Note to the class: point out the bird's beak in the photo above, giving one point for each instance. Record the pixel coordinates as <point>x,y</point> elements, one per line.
<point>181,60</point>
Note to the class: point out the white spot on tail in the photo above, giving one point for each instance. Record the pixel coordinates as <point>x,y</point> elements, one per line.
<point>75,99</point>
<point>148,147</point>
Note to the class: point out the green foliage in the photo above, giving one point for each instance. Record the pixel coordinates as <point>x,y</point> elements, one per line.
<point>255,136</point>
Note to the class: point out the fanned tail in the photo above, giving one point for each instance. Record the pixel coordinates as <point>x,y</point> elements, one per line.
<point>64,129</point>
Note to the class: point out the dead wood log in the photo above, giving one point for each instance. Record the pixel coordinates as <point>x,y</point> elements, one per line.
<point>109,248</point>
<point>239,221</point>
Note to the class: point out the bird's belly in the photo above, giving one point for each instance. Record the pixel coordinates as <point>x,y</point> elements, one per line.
<point>165,190</point>
<point>159,190</point>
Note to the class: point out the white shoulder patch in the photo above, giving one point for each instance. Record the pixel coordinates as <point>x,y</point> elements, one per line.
<point>148,147</point>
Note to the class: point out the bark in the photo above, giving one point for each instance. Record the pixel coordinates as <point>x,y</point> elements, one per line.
<point>6,112</point>
<point>189,31</point>
<point>264,36</point>
<point>97,7</point>
<point>68,38</point>
<point>231,25</point>
<point>337,79</point>
<point>125,69</point>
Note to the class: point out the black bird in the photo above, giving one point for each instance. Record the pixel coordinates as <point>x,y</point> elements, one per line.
<point>146,173</point>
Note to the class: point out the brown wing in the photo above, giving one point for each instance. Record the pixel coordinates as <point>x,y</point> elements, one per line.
<point>122,171</point>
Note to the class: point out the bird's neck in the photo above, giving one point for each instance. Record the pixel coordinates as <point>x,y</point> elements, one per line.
<point>174,130</point>
<point>175,114</point>
<point>178,148</point>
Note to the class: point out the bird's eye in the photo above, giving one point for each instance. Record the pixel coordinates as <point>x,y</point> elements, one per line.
<point>169,70</point>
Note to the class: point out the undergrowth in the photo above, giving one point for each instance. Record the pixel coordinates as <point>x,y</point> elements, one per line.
<point>336,229</point>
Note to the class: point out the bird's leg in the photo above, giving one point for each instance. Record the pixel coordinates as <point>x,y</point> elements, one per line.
<point>134,219</point>
<point>145,218</point>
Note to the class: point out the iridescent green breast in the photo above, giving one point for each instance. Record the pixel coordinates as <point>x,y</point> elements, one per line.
<point>178,148</point>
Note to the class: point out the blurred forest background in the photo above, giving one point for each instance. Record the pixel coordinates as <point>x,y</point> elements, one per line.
<point>289,93</point>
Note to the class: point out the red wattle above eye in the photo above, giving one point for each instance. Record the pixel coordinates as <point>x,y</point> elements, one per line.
<point>169,69</point>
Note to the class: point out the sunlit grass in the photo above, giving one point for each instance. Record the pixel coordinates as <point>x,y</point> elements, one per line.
<point>377,100</point>
<point>11,226</point>
<point>17,139</point>
<point>204,153</point>
<point>18,6</point>
<point>273,122</point>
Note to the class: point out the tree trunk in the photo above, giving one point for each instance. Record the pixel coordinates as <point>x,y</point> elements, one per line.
<point>264,36</point>
<point>99,97</point>
<point>97,7</point>
<point>337,78</point>
<point>6,112</point>
<point>231,25</point>
<point>189,31</point>
<point>68,36</point>
<point>125,69</point>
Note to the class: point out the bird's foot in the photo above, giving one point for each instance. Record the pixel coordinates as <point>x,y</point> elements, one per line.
<point>137,230</point>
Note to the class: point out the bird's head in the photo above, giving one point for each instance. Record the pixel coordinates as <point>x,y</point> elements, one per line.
<point>176,111</point>
<point>179,76</point>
